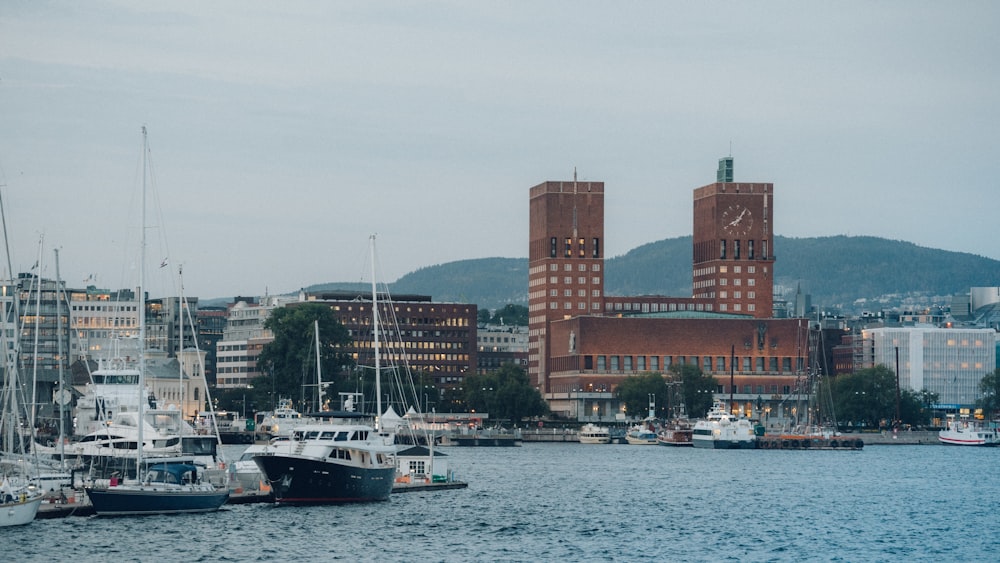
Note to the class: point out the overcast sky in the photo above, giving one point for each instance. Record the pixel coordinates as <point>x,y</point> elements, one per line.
<point>284,134</point>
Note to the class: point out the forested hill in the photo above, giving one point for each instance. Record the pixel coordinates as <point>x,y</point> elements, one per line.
<point>836,271</point>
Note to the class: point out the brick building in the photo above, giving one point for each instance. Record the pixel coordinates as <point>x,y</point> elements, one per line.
<point>582,343</point>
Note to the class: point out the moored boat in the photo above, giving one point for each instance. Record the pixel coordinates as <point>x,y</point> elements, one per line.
<point>340,462</point>
<point>963,432</point>
<point>593,434</point>
<point>676,433</point>
<point>722,430</point>
<point>167,488</point>
<point>641,434</point>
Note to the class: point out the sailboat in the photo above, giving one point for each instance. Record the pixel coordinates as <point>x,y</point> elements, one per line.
<point>162,488</point>
<point>344,460</point>
<point>19,497</point>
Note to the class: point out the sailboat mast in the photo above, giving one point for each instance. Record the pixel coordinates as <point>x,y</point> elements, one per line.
<point>59,348</point>
<point>319,370</point>
<point>142,311</point>
<point>378,368</point>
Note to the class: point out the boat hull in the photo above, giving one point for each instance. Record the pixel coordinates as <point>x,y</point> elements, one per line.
<point>18,513</point>
<point>724,444</point>
<point>124,500</point>
<point>300,480</point>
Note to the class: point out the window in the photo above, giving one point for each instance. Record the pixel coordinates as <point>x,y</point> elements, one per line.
<point>760,365</point>
<point>569,247</point>
<point>602,362</point>
<point>786,364</point>
<point>763,249</point>
<point>720,363</point>
<point>552,247</point>
<point>774,364</point>
<point>597,248</point>
<point>722,249</point>
<point>614,363</point>
<point>706,363</point>
<point>736,249</point>
<point>654,363</point>
<point>750,249</point>
<point>628,363</point>
<point>640,363</point>
<point>583,247</point>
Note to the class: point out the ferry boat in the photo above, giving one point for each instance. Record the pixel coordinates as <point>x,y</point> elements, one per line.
<point>962,432</point>
<point>641,434</point>
<point>594,434</point>
<point>722,430</point>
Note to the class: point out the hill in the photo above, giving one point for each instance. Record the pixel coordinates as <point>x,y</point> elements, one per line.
<point>836,271</point>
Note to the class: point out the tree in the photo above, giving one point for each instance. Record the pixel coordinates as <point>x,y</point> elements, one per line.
<point>990,388</point>
<point>697,389</point>
<point>288,363</point>
<point>511,315</point>
<point>506,394</point>
<point>635,391</point>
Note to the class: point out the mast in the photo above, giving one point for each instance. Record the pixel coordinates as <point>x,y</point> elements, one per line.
<point>62,389</point>
<point>142,312</point>
<point>378,369</point>
<point>38,318</point>
<point>319,370</point>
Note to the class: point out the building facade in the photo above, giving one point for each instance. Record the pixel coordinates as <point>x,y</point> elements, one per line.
<point>948,361</point>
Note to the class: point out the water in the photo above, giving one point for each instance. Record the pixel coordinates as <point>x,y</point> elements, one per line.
<point>573,502</point>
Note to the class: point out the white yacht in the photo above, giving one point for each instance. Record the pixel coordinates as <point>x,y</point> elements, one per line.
<point>962,432</point>
<point>594,434</point>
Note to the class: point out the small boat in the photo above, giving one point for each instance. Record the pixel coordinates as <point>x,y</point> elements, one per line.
<point>963,432</point>
<point>19,502</point>
<point>722,430</point>
<point>594,434</point>
<point>283,420</point>
<point>167,488</point>
<point>641,434</point>
<point>676,433</point>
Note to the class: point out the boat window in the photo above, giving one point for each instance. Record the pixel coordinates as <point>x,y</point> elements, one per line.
<point>327,435</point>
<point>341,437</point>
<point>361,435</point>
<point>312,435</point>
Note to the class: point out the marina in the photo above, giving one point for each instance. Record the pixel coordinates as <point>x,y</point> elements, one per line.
<point>850,502</point>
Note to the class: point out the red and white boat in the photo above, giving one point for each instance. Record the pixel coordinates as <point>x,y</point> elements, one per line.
<point>964,432</point>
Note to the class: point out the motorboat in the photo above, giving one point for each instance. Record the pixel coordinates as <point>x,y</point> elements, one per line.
<point>641,434</point>
<point>963,432</point>
<point>676,433</point>
<point>723,430</point>
<point>594,434</point>
<point>339,462</point>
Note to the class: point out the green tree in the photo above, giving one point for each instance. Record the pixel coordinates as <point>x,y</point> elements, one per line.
<point>511,315</point>
<point>288,363</point>
<point>635,391</point>
<point>990,388</point>
<point>483,317</point>
<point>506,394</point>
<point>866,397</point>
<point>696,388</point>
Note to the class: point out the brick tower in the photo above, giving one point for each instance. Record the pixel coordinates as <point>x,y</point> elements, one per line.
<point>565,262</point>
<point>734,246</point>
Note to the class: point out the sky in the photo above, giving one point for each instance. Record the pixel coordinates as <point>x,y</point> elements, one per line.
<point>282,135</point>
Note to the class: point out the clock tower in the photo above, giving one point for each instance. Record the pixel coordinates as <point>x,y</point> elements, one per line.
<point>734,247</point>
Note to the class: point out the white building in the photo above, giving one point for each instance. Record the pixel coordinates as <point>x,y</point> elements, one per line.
<point>949,362</point>
<point>242,339</point>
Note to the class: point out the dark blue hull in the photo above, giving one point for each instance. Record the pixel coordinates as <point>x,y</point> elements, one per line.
<point>297,480</point>
<point>124,501</point>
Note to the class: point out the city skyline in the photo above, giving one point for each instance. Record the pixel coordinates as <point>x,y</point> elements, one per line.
<point>283,136</point>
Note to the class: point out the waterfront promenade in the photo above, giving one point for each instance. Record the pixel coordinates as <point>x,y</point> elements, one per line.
<point>911,438</point>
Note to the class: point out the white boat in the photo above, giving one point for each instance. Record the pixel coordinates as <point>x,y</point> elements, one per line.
<point>164,488</point>
<point>644,433</point>
<point>722,430</point>
<point>346,460</point>
<point>19,502</point>
<point>963,432</point>
<point>283,420</point>
<point>594,434</point>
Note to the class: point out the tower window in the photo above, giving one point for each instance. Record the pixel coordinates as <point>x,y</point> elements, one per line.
<point>722,249</point>
<point>583,247</point>
<point>597,247</point>
<point>552,247</point>
<point>736,250</point>
<point>750,249</point>
<point>569,247</point>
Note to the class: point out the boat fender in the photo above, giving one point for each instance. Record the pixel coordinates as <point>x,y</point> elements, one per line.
<point>795,444</point>
<point>859,444</point>
<point>784,443</point>
<point>834,444</point>
<point>806,443</point>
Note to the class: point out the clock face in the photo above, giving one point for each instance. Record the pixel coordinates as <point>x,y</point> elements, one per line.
<point>737,220</point>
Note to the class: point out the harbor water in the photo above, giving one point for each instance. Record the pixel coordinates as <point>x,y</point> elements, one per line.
<point>573,502</point>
